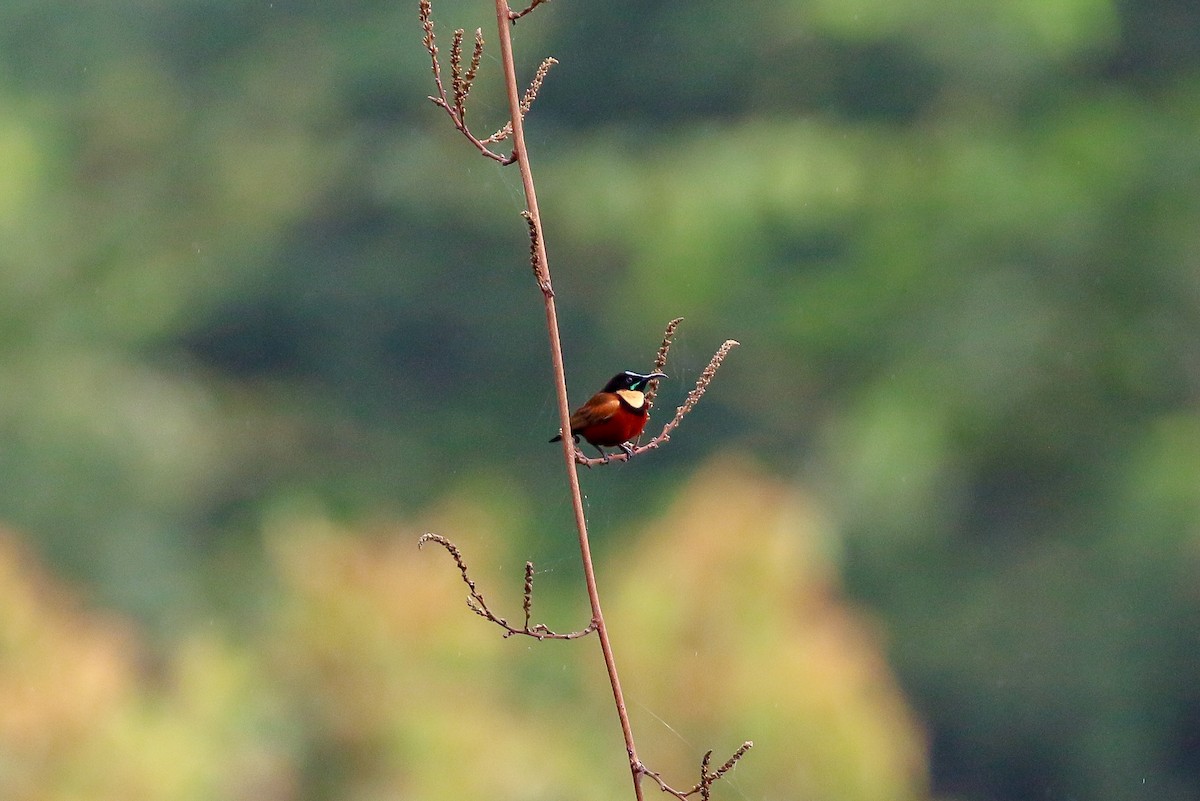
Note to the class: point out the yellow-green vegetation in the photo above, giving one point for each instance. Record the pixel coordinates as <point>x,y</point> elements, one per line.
<point>367,678</point>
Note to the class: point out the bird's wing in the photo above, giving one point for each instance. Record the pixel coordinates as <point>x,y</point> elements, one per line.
<point>600,408</point>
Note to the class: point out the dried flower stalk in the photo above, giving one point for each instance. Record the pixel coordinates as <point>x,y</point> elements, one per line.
<point>660,360</point>
<point>479,606</point>
<point>707,778</point>
<point>526,101</point>
<point>455,107</point>
<point>455,103</point>
<point>535,261</point>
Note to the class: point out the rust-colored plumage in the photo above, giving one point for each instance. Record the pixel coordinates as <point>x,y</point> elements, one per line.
<point>614,415</point>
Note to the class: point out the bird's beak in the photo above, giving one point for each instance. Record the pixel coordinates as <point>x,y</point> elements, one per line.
<point>656,375</point>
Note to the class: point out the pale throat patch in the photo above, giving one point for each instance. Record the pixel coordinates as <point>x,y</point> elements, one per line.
<point>635,399</point>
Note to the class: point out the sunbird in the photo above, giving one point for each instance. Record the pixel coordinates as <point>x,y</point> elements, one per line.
<point>615,414</point>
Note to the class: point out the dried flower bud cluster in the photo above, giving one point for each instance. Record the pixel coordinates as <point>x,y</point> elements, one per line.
<point>461,81</point>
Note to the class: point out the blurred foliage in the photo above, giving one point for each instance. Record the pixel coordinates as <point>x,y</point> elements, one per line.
<point>736,579</point>
<point>365,677</point>
<point>249,275</point>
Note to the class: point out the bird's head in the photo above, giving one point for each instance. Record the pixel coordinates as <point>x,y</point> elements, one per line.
<point>631,380</point>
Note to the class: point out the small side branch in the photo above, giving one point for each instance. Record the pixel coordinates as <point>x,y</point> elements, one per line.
<point>707,777</point>
<point>454,101</point>
<point>454,104</point>
<point>513,16</point>
<point>479,606</point>
<point>689,403</point>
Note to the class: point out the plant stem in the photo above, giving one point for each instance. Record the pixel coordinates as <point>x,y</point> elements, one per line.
<point>504,23</point>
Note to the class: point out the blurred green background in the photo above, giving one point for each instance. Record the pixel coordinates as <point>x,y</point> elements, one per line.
<point>933,533</point>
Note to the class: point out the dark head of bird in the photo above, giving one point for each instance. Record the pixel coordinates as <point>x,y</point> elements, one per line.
<point>631,380</point>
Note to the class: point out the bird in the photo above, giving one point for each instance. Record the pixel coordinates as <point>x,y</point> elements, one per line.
<point>615,414</point>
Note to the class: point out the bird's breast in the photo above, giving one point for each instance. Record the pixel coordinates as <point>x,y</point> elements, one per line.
<point>620,427</point>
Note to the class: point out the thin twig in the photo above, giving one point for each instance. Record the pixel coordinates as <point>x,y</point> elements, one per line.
<point>431,45</point>
<point>455,107</point>
<point>479,606</point>
<point>707,778</point>
<point>513,16</point>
